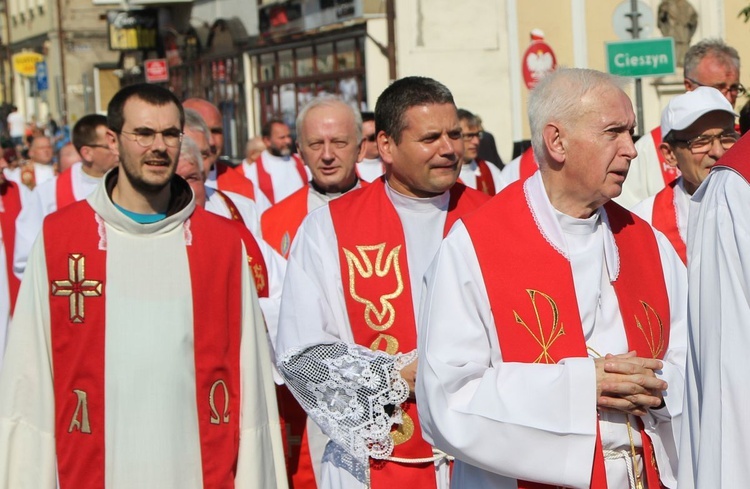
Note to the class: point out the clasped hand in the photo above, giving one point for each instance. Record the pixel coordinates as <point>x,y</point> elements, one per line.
<point>628,383</point>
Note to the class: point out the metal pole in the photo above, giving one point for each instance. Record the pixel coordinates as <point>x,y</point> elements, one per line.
<point>63,103</point>
<point>635,33</point>
<point>8,91</point>
<point>390,12</point>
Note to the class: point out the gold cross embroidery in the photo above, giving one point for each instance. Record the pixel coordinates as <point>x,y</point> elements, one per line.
<point>544,339</point>
<point>76,287</point>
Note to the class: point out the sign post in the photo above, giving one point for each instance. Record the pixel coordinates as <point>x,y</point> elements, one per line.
<point>641,57</point>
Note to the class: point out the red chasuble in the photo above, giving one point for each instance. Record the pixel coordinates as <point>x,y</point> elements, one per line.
<point>527,165</point>
<point>10,207</point>
<point>77,270</point>
<point>736,159</point>
<point>64,189</point>
<point>264,178</point>
<point>231,179</point>
<point>533,300</point>
<point>279,224</point>
<point>668,172</point>
<point>664,218</point>
<point>375,274</point>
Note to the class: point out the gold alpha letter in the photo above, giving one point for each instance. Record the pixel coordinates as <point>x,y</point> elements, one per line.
<point>81,425</point>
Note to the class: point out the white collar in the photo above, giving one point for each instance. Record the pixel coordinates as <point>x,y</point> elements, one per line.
<point>416,204</point>
<point>548,224</point>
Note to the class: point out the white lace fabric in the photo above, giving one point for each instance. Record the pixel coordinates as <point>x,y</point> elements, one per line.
<point>345,389</point>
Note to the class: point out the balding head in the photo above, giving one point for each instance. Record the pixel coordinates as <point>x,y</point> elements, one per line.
<point>67,156</point>
<point>40,150</point>
<point>254,148</point>
<point>212,116</point>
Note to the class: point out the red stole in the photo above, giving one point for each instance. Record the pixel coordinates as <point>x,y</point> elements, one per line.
<point>528,165</point>
<point>664,218</point>
<point>64,189</point>
<point>530,289</point>
<point>279,224</point>
<point>10,207</point>
<point>258,268</point>
<point>669,173</point>
<point>485,183</point>
<point>231,179</point>
<point>736,159</point>
<point>264,178</point>
<point>379,305</point>
<point>78,277</point>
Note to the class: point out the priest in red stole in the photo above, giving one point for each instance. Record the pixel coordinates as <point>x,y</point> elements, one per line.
<point>277,173</point>
<point>329,139</point>
<point>76,183</point>
<point>708,63</point>
<point>552,330</point>
<point>475,172</point>
<point>137,355</point>
<point>347,331</point>
<point>698,128</point>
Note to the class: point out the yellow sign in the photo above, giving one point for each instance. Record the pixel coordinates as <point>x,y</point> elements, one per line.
<point>25,63</point>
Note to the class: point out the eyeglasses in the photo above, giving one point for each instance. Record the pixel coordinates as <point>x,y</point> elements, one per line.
<point>722,87</point>
<point>97,146</point>
<point>146,137</point>
<point>702,144</point>
<point>468,136</point>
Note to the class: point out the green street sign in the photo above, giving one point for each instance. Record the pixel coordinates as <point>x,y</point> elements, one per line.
<point>641,57</point>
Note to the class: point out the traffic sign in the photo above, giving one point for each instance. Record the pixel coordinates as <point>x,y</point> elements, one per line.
<point>41,76</point>
<point>622,21</point>
<point>641,57</point>
<point>156,70</point>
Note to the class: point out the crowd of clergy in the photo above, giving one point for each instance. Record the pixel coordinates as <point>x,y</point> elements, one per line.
<point>380,302</point>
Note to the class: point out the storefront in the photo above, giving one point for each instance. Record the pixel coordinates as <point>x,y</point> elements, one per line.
<point>288,75</point>
<point>213,69</point>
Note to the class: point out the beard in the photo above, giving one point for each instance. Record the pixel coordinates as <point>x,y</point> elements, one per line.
<point>282,152</point>
<point>145,187</point>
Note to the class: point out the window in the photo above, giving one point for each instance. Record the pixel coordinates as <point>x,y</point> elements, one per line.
<point>289,77</point>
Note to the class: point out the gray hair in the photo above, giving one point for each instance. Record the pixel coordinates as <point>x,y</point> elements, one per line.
<point>195,121</point>
<point>328,100</point>
<point>710,47</point>
<point>557,97</point>
<point>190,151</point>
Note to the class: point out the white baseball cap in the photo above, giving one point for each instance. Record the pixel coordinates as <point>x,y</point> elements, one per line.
<point>683,110</point>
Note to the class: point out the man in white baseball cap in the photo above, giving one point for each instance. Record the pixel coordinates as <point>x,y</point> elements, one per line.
<point>698,128</point>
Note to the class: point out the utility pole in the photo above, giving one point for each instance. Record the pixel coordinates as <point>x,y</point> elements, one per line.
<point>635,31</point>
<point>390,12</point>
